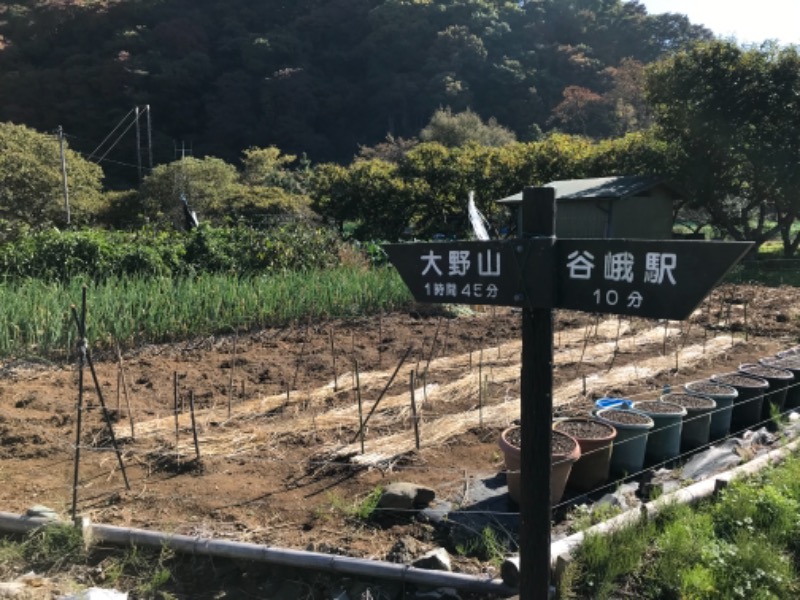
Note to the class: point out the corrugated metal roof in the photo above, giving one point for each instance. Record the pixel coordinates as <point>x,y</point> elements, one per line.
<point>600,187</point>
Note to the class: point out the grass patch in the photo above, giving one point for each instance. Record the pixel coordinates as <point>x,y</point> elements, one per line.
<point>36,317</point>
<point>743,544</point>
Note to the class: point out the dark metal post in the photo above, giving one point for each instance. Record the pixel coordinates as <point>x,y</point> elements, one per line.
<point>538,220</point>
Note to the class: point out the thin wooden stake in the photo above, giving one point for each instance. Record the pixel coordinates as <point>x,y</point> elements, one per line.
<point>175,412</point>
<point>300,356</point>
<point>125,391</point>
<point>414,412</point>
<point>194,425</point>
<point>745,320</point>
<point>99,390</point>
<point>433,347</point>
<point>360,404</point>
<point>382,394</point>
<point>230,380</point>
<point>333,358</point>
<point>380,339</point>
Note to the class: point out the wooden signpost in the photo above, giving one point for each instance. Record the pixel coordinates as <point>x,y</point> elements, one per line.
<point>647,278</point>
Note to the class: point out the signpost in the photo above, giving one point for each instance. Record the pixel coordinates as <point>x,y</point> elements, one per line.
<point>537,272</point>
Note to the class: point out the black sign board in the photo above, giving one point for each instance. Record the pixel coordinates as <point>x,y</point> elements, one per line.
<point>664,279</point>
<point>490,272</point>
<point>645,278</point>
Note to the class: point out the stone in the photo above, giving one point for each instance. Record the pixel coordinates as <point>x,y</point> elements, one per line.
<point>42,512</point>
<point>405,496</point>
<point>435,560</point>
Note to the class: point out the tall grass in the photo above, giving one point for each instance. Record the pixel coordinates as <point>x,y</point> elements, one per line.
<point>36,319</point>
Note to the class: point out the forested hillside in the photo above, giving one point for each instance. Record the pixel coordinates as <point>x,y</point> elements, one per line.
<point>323,77</point>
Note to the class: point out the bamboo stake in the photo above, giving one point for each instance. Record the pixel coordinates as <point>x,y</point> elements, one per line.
<point>382,394</point>
<point>360,404</point>
<point>333,358</point>
<point>300,356</point>
<point>175,412</point>
<point>230,379</point>
<point>433,347</point>
<point>79,411</point>
<point>99,390</point>
<point>194,425</point>
<point>380,339</point>
<point>414,412</point>
<point>121,373</point>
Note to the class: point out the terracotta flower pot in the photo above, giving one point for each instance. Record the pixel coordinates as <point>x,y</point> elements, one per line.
<point>596,438</point>
<point>565,451</point>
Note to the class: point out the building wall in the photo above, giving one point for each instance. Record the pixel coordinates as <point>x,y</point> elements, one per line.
<point>581,218</point>
<point>643,217</point>
<point>638,217</point>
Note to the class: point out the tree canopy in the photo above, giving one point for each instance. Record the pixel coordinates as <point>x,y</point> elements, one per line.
<point>320,78</point>
<point>733,115</point>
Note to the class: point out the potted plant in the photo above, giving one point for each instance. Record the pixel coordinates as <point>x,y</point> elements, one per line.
<point>779,381</point>
<point>565,450</point>
<point>664,441</point>
<point>697,422</point>
<point>749,400</point>
<point>790,362</point>
<point>633,428</point>
<point>724,396</point>
<point>595,438</point>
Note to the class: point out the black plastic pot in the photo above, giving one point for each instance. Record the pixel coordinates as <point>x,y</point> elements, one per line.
<point>747,406</point>
<point>791,363</point>
<point>779,381</point>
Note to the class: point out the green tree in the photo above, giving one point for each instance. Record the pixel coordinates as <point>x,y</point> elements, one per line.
<point>734,114</point>
<point>31,187</point>
<point>458,129</point>
<point>207,184</point>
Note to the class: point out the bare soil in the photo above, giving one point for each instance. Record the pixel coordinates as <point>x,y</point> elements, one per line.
<point>277,419</point>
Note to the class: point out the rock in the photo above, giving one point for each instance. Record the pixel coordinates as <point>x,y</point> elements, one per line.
<point>405,496</point>
<point>404,550</point>
<point>42,512</point>
<point>435,560</point>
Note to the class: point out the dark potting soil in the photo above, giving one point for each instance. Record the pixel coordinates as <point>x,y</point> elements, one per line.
<point>711,388</point>
<point>656,406</point>
<point>690,401</point>
<point>765,371</point>
<point>742,381</point>
<point>791,363</point>
<point>559,442</point>
<point>562,444</point>
<point>625,417</point>
<point>586,429</point>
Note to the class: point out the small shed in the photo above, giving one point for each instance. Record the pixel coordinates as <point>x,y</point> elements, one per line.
<point>631,207</point>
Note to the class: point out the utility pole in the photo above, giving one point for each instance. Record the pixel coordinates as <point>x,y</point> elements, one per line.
<point>137,116</point>
<point>64,172</point>
<point>138,144</point>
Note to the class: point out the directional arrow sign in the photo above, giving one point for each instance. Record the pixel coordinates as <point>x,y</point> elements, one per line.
<point>663,279</point>
<point>492,272</point>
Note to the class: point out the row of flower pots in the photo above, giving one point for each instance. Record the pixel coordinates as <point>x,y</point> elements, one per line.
<point>622,437</point>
